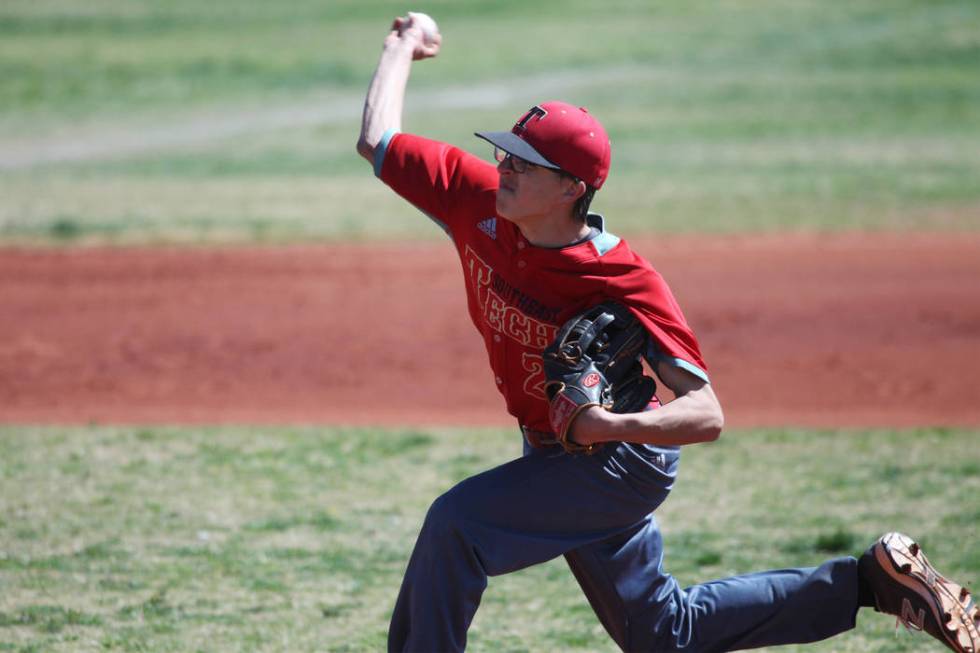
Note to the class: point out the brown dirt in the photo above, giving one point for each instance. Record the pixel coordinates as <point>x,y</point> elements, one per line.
<point>842,330</point>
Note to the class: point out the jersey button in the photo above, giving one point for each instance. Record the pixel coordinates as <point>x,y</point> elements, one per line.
<point>496,337</point>
<point>499,380</point>
<point>522,264</point>
<point>520,244</point>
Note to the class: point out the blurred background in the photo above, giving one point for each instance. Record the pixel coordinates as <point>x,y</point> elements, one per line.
<point>181,121</point>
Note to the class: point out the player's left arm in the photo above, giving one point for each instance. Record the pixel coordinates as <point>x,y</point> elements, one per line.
<point>694,416</point>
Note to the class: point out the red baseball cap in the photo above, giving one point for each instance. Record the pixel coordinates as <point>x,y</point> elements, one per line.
<point>559,136</point>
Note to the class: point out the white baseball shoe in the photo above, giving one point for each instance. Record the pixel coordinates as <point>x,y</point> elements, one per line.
<point>907,586</point>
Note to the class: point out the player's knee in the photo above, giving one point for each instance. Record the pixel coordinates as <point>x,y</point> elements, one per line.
<point>668,626</point>
<point>446,513</point>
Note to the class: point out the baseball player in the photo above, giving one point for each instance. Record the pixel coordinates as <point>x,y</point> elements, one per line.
<point>533,257</point>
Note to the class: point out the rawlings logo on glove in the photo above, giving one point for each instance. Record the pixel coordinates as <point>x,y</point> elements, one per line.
<point>594,361</point>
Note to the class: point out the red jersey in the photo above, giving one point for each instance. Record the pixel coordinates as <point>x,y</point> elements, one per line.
<point>520,294</point>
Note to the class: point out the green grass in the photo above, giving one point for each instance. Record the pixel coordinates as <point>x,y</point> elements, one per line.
<point>724,116</point>
<point>295,539</point>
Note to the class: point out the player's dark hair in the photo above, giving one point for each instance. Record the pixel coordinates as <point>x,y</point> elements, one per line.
<point>581,208</point>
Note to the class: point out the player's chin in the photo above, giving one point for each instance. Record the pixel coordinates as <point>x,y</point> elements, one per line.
<point>503,205</point>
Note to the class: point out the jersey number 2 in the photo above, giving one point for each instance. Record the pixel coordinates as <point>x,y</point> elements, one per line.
<point>534,381</point>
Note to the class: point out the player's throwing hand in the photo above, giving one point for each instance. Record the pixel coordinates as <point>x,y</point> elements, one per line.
<point>420,31</point>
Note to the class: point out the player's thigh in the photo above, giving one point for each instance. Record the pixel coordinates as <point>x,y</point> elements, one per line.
<point>553,492</point>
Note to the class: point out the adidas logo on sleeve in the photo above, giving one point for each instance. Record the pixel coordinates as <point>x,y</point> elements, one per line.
<point>489,227</point>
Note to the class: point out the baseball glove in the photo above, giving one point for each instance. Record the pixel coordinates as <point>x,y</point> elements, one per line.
<point>594,362</point>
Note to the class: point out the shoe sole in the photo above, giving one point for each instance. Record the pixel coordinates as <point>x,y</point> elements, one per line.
<point>952,606</point>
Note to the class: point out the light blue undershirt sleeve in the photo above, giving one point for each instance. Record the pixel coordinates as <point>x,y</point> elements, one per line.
<point>654,356</point>
<point>381,149</point>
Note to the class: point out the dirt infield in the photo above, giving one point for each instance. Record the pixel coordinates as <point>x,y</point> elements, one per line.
<point>842,330</point>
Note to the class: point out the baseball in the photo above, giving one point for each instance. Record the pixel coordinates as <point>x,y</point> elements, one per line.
<point>425,22</point>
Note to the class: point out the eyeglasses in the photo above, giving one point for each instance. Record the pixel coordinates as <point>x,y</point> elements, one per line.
<point>519,165</point>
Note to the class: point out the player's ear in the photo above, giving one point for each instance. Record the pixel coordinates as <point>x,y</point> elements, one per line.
<point>575,189</point>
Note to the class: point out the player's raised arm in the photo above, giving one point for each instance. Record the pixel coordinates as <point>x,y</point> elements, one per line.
<point>412,37</point>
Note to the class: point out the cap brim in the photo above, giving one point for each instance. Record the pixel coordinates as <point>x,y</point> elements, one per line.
<point>513,144</point>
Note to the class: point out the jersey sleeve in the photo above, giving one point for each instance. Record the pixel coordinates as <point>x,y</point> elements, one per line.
<point>649,298</point>
<point>441,180</point>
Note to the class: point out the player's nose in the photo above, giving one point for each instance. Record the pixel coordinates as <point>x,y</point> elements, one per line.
<point>506,166</point>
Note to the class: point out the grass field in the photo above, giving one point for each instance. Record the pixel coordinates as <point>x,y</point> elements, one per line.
<point>235,120</point>
<point>294,540</point>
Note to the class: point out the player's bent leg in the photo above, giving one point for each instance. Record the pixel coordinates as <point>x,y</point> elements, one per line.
<point>645,609</point>
<point>622,576</point>
<point>771,608</point>
<point>442,587</point>
<point>522,513</point>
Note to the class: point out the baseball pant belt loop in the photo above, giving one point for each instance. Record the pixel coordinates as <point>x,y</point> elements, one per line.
<point>539,439</point>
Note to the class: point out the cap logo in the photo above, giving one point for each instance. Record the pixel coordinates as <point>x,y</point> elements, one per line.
<point>534,111</point>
